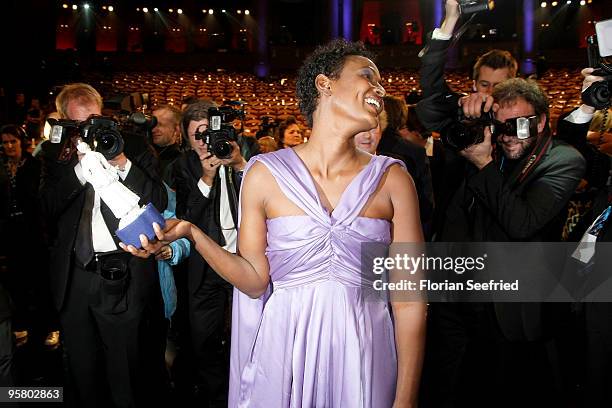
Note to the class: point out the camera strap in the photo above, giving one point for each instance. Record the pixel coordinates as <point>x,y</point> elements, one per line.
<point>532,161</point>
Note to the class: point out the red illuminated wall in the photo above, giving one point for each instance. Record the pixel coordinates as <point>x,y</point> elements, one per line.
<point>65,37</point>
<point>373,10</point>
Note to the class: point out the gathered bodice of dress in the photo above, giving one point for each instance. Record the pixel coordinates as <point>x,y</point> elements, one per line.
<point>318,245</point>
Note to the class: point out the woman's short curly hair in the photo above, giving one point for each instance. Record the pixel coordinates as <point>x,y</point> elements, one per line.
<point>328,60</point>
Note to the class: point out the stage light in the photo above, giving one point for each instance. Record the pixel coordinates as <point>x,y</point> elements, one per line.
<point>74,6</point>
<point>543,4</point>
<point>170,10</point>
<point>64,6</point>
<point>568,2</point>
<point>223,11</point>
<point>204,11</point>
<point>86,6</point>
<point>239,11</point>
<point>554,4</point>
<point>247,12</point>
<point>111,8</point>
<point>211,11</point>
<point>145,9</point>
<point>156,9</point>
<point>582,2</point>
<point>180,11</point>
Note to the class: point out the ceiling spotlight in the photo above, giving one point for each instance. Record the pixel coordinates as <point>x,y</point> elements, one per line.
<point>223,11</point>
<point>145,9</point>
<point>74,6</point>
<point>170,10</point>
<point>180,11</point>
<point>239,11</point>
<point>247,12</point>
<point>111,8</point>
<point>204,11</point>
<point>543,4</point>
<point>554,4</point>
<point>211,11</point>
<point>582,2</point>
<point>86,6</point>
<point>64,6</point>
<point>568,2</point>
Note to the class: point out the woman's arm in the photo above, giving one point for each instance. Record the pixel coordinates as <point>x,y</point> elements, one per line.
<point>249,270</point>
<point>409,316</point>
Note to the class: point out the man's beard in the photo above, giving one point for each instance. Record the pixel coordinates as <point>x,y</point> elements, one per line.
<point>525,146</point>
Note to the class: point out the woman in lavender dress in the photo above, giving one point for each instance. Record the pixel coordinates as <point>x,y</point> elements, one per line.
<point>304,332</point>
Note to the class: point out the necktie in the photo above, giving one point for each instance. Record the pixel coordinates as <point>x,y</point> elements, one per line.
<point>83,246</point>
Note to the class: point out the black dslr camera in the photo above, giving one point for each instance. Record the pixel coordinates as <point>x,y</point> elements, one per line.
<point>441,113</point>
<point>599,94</point>
<point>268,124</point>
<point>102,133</point>
<point>464,132</point>
<point>220,131</point>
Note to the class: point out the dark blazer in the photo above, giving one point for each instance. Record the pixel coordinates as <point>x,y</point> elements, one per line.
<point>202,211</point>
<point>167,155</point>
<point>63,197</point>
<point>417,164</point>
<point>487,207</point>
<point>26,196</point>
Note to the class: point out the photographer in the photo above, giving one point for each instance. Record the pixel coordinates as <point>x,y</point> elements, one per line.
<point>109,301</point>
<point>514,193</point>
<point>489,70</point>
<point>24,275</point>
<point>207,195</point>
<point>166,138</point>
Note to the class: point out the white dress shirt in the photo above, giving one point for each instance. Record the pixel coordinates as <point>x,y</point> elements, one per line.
<point>225,214</point>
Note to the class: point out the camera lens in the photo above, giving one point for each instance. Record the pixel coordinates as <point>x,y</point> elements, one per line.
<point>222,149</point>
<point>109,143</point>
<point>597,95</point>
<point>602,94</point>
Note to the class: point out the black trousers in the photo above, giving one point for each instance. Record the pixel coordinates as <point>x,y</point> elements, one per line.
<point>209,315</point>
<point>469,363</point>
<point>114,339</point>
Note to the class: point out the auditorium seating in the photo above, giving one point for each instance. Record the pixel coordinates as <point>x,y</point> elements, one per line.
<point>276,97</point>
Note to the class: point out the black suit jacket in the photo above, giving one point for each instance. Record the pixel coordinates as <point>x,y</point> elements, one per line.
<point>63,197</point>
<point>488,208</point>
<point>202,211</point>
<point>417,164</point>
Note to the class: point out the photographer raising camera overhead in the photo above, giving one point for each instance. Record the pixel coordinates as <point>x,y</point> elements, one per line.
<point>509,181</point>
<point>109,301</point>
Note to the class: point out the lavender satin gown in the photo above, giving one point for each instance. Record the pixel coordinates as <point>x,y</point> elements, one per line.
<point>314,340</point>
